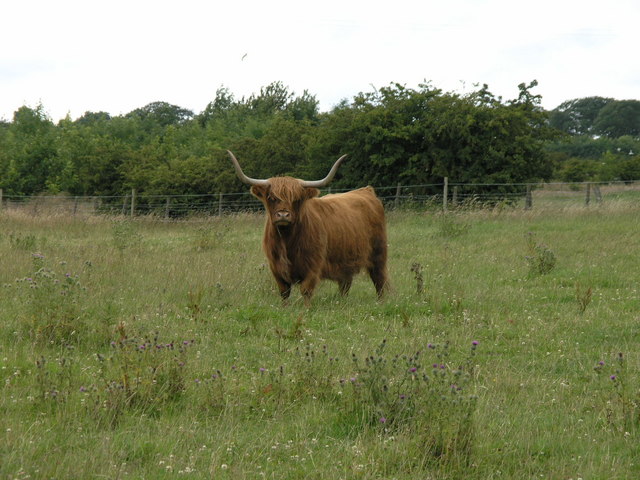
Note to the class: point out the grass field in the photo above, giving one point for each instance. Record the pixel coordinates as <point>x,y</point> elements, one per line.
<point>151,349</point>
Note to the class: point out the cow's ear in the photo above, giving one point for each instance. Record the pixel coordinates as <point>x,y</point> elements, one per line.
<point>259,191</point>
<point>310,192</point>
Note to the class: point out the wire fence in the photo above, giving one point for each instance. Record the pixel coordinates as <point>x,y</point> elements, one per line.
<point>409,197</point>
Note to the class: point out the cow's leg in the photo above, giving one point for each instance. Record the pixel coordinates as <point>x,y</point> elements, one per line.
<point>345,285</point>
<point>379,278</point>
<point>378,269</point>
<point>307,286</point>
<point>285,290</point>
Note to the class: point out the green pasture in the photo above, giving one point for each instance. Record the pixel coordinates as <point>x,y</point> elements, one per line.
<point>509,347</point>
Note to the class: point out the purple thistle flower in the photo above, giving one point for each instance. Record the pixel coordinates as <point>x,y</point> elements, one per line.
<point>601,363</point>
<point>262,369</point>
<point>413,369</point>
<point>383,420</point>
<point>613,377</point>
<point>475,343</point>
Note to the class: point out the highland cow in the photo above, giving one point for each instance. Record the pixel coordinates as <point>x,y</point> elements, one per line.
<point>308,238</point>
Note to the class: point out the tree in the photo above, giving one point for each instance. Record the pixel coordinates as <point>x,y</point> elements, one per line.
<point>578,116</point>
<point>618,118</point>
<point>32,144</point>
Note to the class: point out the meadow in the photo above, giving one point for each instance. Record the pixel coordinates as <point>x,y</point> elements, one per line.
<point>509,347</point>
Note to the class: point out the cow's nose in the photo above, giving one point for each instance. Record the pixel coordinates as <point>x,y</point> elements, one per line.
<point>283,215</point>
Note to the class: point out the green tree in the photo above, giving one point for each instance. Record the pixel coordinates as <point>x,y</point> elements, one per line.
<point>32,144</point>
<point>618,118</point>
<point>578,116</point>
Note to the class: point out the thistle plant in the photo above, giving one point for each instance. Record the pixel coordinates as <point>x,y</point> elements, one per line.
<point>141,373</point>
<point>53,303</point>
<point>432,400</point>
<point>622,410</point>
<point>540,257</point>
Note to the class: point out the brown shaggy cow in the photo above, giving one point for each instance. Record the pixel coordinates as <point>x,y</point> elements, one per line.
<point>308,238</point>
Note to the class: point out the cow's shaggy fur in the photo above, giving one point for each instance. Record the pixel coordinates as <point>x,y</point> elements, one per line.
<point>308,238</point>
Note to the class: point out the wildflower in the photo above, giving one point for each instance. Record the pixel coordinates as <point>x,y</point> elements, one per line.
<point>613,377</point>
<point>601,363</point>
<point>383,420</point>
<point>413,369</point>
<point>262,369</point>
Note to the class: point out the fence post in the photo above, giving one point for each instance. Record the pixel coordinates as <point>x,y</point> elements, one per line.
<point>528,199</point>
<point>588,195</point>
<point>75,205</point>
<point>220,205</point>
<point>596,192</point>
<point>0,200</point>
<point>133,201</point>
<point>396,201</point>
<point>166,208</point>
<point>445,193</point>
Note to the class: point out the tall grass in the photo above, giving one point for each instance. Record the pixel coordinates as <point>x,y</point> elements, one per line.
<point>152,349</point>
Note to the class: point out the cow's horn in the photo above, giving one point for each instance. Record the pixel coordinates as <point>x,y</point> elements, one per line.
<point>242,176</point>
<point>325,181</point>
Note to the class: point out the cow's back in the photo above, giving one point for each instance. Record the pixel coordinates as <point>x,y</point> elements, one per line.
<point>355,230</point>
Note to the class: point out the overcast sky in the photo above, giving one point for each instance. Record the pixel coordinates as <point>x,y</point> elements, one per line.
<point>75,56</point>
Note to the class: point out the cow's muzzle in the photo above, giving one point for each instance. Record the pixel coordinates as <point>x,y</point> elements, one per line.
<point>282,218</point>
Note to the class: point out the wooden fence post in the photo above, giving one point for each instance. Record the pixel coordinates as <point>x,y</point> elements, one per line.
<point>133,201</point>
<point>166,207</point>
<point>596,192</point>
<point>445,193</point>
<point>528,199</point>
<point>396,201</point>
<point>588,195</point>
<point>220,204</point>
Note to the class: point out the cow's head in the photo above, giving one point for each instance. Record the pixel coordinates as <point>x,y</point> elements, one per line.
<point>283,196</point>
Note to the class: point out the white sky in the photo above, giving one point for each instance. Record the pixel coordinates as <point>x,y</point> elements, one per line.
<point>118,55</point>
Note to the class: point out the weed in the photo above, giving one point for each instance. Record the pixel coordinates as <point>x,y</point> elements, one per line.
<point>416,268</point>
<point>622,410</point>
<point>540,258</point>
<point>54,303</point>
<point>53,380</point>
<point>583,297</point>
<point>433,404</point>
<point>141,374</point>
<point>194,302</point>
<point>124,235</point>
<point>21,241</point>
<point>451,225</point>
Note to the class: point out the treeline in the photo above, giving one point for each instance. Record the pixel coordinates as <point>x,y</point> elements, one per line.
<point>601,139</point>
<point>395,134</point>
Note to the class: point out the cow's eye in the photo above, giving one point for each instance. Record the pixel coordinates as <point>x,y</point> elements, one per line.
<point>271,199</point>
